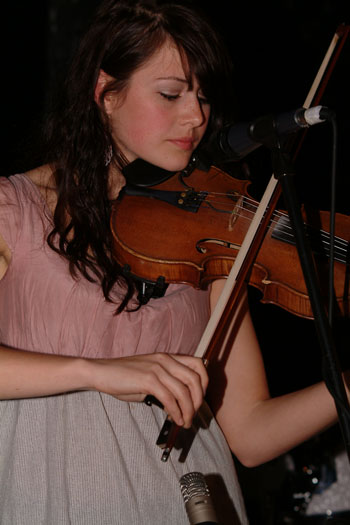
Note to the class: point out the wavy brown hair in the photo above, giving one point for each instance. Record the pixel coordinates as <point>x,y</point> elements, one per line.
<point>122,36</point>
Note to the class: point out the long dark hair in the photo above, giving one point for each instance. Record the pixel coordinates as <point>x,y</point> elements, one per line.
<point>122,36</point>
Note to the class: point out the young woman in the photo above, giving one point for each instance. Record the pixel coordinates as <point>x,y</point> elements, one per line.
<point>77,356</point>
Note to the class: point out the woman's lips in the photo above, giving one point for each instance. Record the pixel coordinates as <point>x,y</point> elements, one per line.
<point>183,143</point>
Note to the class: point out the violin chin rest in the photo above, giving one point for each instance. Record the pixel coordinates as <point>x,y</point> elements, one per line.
<point>142,173</point>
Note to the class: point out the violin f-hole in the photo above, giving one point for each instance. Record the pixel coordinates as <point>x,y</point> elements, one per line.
<point>201,248</point>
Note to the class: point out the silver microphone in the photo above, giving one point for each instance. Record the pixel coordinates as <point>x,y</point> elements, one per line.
<point>235,141</point>
<point>198,503</point>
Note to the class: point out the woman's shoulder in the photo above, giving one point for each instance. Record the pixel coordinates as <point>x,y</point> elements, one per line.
<point>41,176</point>
<point>16,192</point>
<point>43,179</point>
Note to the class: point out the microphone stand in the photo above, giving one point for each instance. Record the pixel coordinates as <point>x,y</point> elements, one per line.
<point>284,173</point>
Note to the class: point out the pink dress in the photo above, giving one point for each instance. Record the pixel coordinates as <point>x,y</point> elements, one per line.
<point>86,457</point>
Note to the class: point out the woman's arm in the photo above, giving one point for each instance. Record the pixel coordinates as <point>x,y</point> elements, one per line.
<point>178,382</point>
<point>258,427</point>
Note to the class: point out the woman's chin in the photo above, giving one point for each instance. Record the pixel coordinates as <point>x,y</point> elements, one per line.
<point>174,165</point>
<point>168,163</point>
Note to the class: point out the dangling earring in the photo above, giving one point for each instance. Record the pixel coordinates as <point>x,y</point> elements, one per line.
<point>108,155</point>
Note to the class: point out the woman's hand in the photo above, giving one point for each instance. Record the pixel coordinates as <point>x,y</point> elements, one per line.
<point>179,382</point>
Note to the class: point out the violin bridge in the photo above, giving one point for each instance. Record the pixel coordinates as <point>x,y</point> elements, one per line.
<point>235,213</point>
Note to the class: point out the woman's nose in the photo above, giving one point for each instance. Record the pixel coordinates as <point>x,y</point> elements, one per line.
<point>193,113</point>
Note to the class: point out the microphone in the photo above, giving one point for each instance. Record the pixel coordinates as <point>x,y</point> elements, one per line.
<point>235,141</point>
<point>198,503</point>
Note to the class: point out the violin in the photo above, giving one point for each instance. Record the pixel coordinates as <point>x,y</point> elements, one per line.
<point>204,229</point>
<point>189,229</point>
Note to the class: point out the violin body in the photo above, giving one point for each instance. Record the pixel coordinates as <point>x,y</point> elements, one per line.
<point>189,230</point>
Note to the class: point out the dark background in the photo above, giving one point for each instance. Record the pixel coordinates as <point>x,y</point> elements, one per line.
<point>277,48</point>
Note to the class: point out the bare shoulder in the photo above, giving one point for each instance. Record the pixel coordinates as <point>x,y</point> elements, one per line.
<point>44,180</point>
<point>42,177</point>
<point>5,256</point>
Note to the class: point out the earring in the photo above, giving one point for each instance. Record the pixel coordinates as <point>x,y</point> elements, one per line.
<point>108,155</point>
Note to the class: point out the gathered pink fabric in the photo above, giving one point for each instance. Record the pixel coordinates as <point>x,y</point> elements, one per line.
<point>44,309</point>
<point>86,458</point>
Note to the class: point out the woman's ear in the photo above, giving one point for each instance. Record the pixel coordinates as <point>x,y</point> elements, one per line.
<point>102,81</point>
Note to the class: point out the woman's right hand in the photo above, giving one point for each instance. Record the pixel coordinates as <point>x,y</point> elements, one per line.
<point>178,381</point>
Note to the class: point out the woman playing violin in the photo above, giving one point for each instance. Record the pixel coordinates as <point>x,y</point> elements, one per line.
<point>78,355</point>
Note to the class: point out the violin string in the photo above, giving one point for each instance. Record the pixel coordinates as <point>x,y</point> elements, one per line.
<point>277,213</point>
<point>341,245</point>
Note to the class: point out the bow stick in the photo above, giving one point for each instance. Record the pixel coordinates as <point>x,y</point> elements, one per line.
<point>221,317</point>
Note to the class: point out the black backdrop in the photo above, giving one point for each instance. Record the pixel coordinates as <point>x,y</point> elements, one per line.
<point>276,47</point>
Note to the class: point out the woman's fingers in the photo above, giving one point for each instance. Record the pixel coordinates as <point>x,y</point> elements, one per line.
<point>198,367</point>
<point>190,388</point>
<point>178,382</point>
<point>175,384</point>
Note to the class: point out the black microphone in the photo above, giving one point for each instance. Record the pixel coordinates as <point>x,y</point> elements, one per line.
<point>198,503</point>
<point>235,141</point>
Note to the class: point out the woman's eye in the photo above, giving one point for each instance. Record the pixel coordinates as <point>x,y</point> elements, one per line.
<point>169,97</point>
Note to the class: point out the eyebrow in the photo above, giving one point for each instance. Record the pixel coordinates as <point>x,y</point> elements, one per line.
<point>178,79</point>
